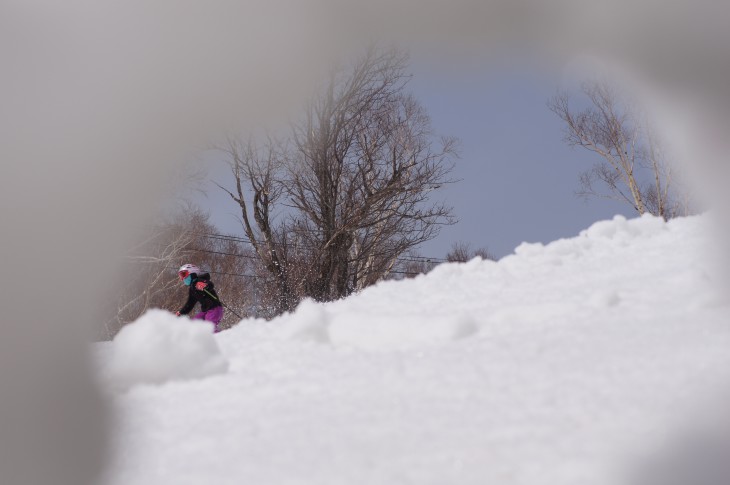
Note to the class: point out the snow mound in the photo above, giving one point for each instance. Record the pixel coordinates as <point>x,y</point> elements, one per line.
<point>160,347</point>
<point>565,282</point>
<point>384,332</point>
<point>309,322</point>
<point>375,330</point>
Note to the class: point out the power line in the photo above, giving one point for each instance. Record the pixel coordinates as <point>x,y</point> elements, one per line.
<point>267,277</point>
<point>416,259</point>
<point>246,256</point>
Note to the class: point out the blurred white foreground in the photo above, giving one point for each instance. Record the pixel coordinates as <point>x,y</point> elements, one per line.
<point>562,364</point>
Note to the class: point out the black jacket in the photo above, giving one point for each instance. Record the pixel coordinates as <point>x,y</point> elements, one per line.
<point>207,297</point>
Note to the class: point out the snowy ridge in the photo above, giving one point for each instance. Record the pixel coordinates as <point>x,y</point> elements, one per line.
<point>570,280</point>
<point>560,364</point>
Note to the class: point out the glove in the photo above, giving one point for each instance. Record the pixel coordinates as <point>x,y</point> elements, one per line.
<point>177,314</point>
<point>200,285</point>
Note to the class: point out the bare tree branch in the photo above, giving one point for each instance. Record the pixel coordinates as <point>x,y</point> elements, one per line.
<point>613,127</point>
<point>355,178</point>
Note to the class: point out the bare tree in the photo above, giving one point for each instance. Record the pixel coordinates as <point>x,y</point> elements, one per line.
<point>258,171</point>
<point>462,252</point>
<point>363,169</point>
<point>354,181</point>
<point>459,253</point>
<point>633,165</point>
<point>485,254</point>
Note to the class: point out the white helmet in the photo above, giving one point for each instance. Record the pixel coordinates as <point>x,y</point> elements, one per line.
<point>187,269</point>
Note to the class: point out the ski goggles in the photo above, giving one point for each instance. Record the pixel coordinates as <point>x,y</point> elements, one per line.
<point>183,274</point>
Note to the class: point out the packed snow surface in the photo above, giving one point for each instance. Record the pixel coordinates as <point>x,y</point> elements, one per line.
<point>566,363</point>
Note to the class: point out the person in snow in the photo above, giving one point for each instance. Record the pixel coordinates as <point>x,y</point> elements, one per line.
<point>201,291</point>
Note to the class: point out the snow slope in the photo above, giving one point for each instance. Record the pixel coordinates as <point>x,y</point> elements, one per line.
<point>561,364</point>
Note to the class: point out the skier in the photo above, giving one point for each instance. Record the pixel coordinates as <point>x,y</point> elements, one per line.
<point>201,291</point>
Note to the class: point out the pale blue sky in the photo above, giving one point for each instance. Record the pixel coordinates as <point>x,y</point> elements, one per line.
<point>518,177</point>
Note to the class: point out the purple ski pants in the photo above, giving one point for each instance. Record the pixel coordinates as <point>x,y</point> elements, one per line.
<point>214,316</point>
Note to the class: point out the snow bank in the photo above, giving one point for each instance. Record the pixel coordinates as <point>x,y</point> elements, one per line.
<point>161,347</point>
